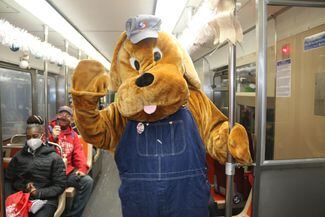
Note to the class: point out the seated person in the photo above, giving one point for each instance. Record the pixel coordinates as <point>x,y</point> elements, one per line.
<point>38,169</point>
<point>62,133</point>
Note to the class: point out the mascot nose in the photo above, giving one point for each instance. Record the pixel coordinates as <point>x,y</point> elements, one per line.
<point>144,80</point>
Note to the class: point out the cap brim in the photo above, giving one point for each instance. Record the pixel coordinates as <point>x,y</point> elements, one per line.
<point>143,35</point>
<point>63,110</point>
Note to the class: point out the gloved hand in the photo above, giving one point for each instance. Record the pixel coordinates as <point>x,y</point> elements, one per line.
<point>238,144</point>
<point>90,77</point>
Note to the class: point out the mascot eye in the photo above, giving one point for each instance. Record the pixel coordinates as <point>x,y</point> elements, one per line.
<point>157,55</point>
<point>135,63</point>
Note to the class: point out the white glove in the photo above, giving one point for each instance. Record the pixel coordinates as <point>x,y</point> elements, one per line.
<point>37,205</point>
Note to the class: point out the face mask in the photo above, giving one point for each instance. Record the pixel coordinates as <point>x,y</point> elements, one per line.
<point>34,143</point>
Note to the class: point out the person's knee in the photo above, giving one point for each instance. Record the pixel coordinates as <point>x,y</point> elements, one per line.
<point>87,181</point>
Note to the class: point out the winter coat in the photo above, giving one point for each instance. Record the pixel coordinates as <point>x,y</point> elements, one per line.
<point>44,168</point>
<point>72,149</point>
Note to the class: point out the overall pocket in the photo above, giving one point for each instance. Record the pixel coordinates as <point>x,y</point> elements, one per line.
<point>162,139</point>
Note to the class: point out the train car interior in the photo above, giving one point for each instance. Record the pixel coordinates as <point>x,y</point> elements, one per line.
<point>271,81</point>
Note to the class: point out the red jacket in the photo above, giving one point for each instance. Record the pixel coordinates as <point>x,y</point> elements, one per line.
<point>72,149</point>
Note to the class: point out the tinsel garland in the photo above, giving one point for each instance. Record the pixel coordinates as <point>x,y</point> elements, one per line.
<point>16,37</point>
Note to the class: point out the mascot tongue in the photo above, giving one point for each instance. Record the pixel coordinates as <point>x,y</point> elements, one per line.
<point>149,109</point>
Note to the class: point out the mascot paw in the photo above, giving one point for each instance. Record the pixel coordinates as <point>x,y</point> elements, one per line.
<point>90,78</point>
<point>218,147</point>
<point>238,145</point>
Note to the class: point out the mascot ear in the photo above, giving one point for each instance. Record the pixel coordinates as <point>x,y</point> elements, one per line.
<point>114,75</point>
<point>190,73</point>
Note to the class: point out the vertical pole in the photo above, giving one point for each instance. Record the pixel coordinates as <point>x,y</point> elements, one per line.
<point>46,33</point>
<point>2,179</point>
<point>34,92</point>
<point>230,166</point>
<point>260,102</point>
<point>66,71</point>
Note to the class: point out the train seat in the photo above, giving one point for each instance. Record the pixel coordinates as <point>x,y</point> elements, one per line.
<point>69,192</point>
<point>217,197</point>
<point>93,156</point>
<point>16,144</point>
<point>247,211</point>
<point>61,205</point>
<point>217,180</point>
<point>6,161</point>
<point>18,139</point>
<point>88,151</point>
<point>242,182</point>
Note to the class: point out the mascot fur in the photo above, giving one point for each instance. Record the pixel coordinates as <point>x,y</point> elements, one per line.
<point>160,126</point>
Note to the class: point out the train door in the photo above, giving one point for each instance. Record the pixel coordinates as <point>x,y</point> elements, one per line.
<point>290,182</point>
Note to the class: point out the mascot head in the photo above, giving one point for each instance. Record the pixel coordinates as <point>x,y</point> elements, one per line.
<point>150,71</point>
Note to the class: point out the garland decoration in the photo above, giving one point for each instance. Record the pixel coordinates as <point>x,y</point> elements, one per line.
<point>17,38</point>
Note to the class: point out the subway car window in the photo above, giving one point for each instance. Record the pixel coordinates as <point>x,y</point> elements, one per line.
<point>16,101</point>
<point>51,96</point>
<point>296,81</point>
<point>220,93</point>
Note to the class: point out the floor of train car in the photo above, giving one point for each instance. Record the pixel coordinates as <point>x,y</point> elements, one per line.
<point>104,200</point>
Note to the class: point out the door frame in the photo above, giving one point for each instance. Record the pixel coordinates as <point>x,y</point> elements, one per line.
<point>261,101</point>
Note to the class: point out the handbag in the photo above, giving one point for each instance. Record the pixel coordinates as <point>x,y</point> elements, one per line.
<point>18,204</point>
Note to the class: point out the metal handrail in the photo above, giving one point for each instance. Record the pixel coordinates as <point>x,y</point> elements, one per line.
<point>58,146</point>
<point>15,136</point>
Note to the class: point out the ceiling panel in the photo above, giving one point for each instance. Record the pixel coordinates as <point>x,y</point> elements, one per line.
<point>103,21</point>
<point>105,41</point>
<point>5,8</point>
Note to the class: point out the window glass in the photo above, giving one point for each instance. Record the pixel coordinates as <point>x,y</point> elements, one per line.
<point>16,101</point>
<point>51,96</point>
<point>60,85</point>
<point>296,81</point>
<point>220,92</point>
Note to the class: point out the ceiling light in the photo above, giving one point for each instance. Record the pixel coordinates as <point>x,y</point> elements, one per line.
<point>203,15</point>
<point>49,16</point>
<point>169,11</point>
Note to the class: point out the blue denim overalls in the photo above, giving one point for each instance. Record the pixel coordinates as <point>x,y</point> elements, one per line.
<point>162,168</point>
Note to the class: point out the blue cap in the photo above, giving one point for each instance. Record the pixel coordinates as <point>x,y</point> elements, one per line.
<point>142,27</point>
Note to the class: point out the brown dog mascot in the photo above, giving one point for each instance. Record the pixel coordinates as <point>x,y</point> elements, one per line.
<point>160,125</point>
